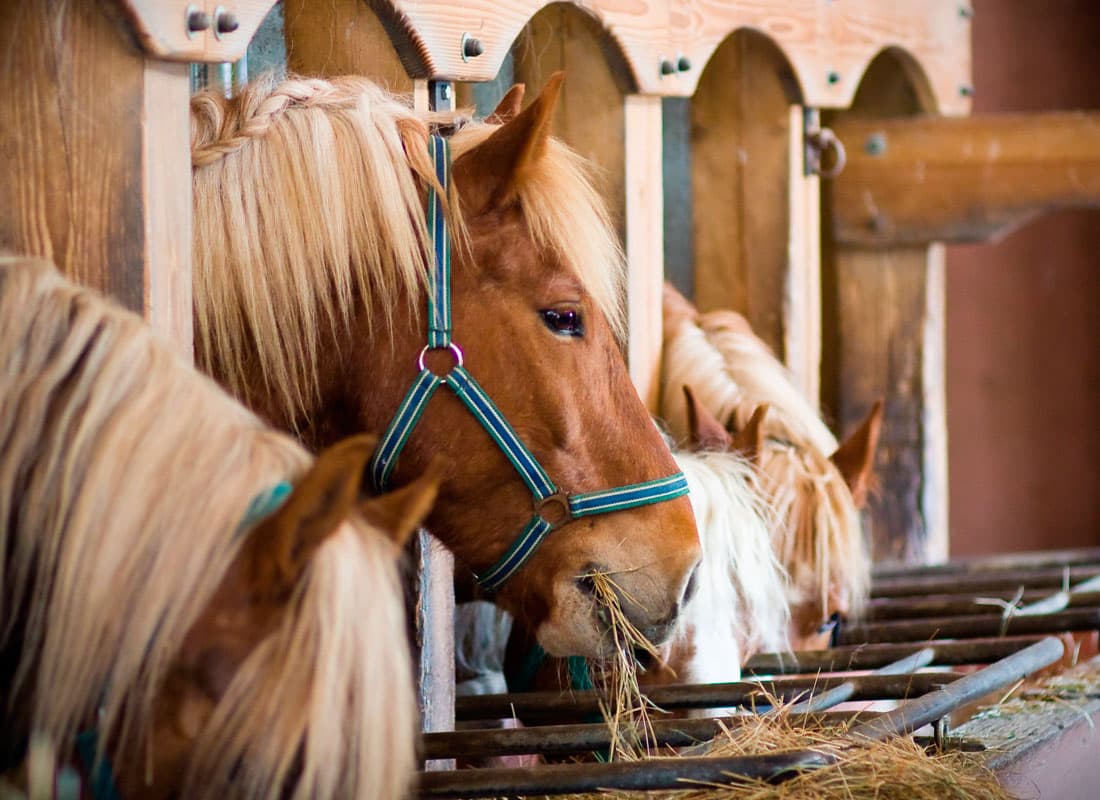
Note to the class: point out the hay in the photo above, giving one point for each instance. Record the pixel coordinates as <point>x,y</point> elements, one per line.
<point>624,708</point>
<point>897,769</point>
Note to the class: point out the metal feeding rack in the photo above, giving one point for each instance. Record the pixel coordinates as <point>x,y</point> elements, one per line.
<point>934,641</point>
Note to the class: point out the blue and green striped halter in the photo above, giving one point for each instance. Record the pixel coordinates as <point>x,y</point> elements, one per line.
<point>553,506</point>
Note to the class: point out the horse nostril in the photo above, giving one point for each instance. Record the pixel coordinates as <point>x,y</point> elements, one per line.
<point>692,586</point>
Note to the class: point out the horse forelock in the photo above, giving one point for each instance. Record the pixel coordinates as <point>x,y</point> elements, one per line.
<point>566,215</point>
<point>818,537</point>
<point>308,210</point>
<point>125,477</point>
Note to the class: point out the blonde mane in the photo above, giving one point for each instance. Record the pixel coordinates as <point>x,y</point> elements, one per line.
<point>309,210</point>
<point>819,538</point>
<point>740,604</point>
<point>124,478</point>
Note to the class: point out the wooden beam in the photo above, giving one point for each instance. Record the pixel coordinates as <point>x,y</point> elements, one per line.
<point>96,172</point>
<point>962,180</point>
<point>162,30</point>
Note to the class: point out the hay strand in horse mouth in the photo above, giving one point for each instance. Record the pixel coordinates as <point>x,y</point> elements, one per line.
<point>624,708</point>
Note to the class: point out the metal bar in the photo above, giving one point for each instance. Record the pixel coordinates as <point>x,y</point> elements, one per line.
<point>1009,561</point>
<point>947,605</point>
<point>872,656</point>
<point>574,705</point>
<point>1081,619</point>
<point>844,691</point>
<point>566,739</point>
<point>659,773</point>
<point>916,713</point>
<point>1048,577</point>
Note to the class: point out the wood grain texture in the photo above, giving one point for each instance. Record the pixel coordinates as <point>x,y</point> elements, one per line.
<point>341,37</point>
<point>644,243</point>
<point>73,94</point>
<point>741,139</point>
<point>589,115</point>
<point>883,337</point>
<point>166,135</point>
<point>802,287</point>
<point>830,44</point>
<point>161,28</point>
<point>963,180</point>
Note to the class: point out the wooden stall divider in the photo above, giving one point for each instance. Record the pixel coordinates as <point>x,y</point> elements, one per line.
<point>883,336</point>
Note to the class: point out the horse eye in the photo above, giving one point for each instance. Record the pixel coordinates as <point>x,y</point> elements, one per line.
<point>565,323</point>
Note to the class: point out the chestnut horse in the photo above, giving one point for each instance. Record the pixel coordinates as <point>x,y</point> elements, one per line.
<point>312,264</point>
<point>170,604</point>
<point>815,487</point>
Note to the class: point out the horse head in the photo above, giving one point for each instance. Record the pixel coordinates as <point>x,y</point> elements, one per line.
<point>816,600</point>
<point>231,657</point>
<point>536,319</point>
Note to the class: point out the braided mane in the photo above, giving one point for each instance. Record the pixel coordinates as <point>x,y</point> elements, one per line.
<point>308,200</point>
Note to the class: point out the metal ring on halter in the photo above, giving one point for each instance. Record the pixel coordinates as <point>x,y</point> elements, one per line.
<point>554,509</point>
<point>456,351</point>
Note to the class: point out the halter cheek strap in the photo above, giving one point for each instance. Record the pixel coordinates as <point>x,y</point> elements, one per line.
<point>553,507</point>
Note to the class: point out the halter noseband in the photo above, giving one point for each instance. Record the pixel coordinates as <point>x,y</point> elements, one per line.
<point>559,506</point>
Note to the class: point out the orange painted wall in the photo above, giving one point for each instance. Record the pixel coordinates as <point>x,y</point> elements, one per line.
<point>1023,315</point>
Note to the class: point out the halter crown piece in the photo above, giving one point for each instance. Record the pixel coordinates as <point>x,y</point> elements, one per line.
<point>462,383</point>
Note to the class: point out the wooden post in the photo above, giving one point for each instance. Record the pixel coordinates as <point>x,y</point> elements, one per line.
<point>884,337</point>
<point>801,304</point>
<point>644,241</point>
<point>95,161</point>
<point>435,609</point>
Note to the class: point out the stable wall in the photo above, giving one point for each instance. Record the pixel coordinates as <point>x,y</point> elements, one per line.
<point>1023,315</point>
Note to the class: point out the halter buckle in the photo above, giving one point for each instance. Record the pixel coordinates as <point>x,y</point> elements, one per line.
<point>456,351</point>
<point>554,509</point>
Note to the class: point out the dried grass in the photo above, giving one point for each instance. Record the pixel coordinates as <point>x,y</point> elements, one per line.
<point>896,769</point>
<point>623,706</point>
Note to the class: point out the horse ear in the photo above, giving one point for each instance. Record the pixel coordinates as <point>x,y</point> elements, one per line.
<point>749,441</point>
<point>508,107</point>
<point>398,513</point>
<point>325,496</point>
<point>488,174</point>
<point>706,432</point>
<point>855,458</point>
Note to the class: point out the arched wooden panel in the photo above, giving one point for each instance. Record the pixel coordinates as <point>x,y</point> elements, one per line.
<point>741,131</point>
<point>666,43</point>
<point>347,39</point>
